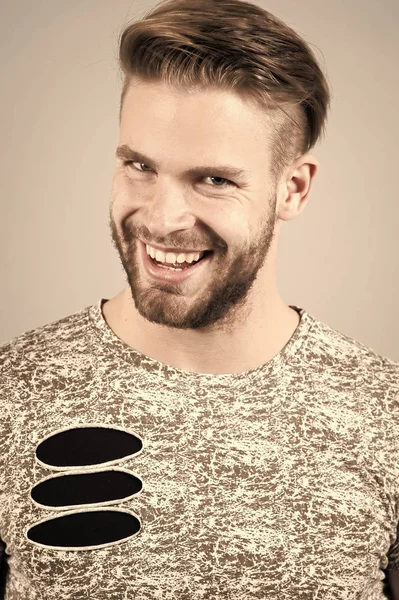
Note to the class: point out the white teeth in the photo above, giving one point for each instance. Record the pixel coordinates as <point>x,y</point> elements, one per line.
<point>172,258</point>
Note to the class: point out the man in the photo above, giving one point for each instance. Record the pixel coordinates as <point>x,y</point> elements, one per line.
<point>194,436</point>
<point>239,433</point>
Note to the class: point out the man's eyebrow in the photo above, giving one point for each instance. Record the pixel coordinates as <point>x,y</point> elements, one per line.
<point>126,153</point>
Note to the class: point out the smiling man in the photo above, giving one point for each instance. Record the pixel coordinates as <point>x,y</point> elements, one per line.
<point>193,176</point>
<point>195,437</point>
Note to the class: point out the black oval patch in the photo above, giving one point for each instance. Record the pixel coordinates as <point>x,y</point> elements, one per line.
<point>86,488</point>
<point>85,529</point>
<point>87,446</point>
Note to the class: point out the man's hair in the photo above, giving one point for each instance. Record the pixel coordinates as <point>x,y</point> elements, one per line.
<point>236,46</point>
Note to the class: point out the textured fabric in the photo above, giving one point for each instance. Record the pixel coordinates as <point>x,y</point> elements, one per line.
<point>124,478</point>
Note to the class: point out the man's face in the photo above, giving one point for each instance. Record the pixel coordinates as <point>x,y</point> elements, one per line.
<point>164,205</point>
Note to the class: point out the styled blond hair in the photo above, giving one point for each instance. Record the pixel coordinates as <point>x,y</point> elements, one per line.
<point>231,45</point>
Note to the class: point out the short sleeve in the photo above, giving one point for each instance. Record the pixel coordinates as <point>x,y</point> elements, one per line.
<point>5,437</point>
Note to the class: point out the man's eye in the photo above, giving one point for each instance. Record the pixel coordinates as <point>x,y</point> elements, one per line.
<point>131,162</point>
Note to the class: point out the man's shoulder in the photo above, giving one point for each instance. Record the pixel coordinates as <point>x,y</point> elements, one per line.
<point>43,343</point>
<point>343,356</point>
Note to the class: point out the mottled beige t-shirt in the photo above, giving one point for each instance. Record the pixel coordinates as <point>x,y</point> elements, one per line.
<point>124,478</point>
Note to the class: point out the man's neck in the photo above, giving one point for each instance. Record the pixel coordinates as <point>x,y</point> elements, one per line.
<point>237,352</point>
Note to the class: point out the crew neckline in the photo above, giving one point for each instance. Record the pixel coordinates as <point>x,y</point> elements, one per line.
<point>118,348</point>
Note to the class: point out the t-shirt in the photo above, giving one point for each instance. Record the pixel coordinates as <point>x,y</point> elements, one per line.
<point>122,477</point>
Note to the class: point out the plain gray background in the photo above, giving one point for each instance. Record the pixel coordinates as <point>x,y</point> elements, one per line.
<point>59,130</point>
